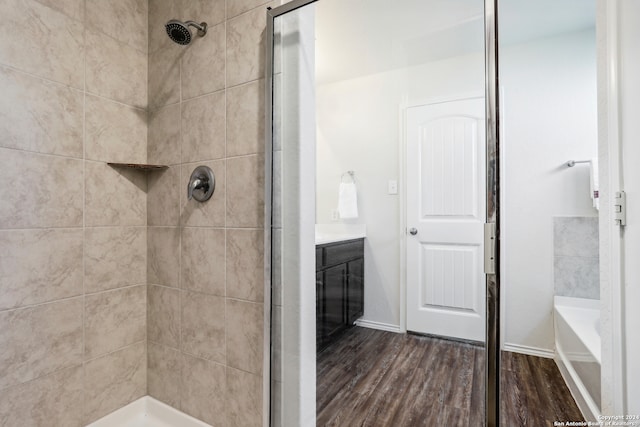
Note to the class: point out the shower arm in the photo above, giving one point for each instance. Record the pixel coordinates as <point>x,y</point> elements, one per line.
<point>202,28</point>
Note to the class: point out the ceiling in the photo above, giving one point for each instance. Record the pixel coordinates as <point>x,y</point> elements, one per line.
<point>360,37</point>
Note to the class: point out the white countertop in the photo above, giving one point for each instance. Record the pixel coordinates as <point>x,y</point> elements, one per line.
<point>331,233</point>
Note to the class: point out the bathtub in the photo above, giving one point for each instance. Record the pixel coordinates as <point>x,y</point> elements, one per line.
<point>577,331</point>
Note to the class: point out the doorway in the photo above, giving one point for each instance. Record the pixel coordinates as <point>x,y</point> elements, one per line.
<point>445,185</point>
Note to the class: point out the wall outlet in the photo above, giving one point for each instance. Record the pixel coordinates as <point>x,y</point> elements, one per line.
<point>335,215</point>
<point>393,187</point>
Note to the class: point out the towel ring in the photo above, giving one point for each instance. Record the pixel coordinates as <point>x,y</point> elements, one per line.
<point>351,175</point>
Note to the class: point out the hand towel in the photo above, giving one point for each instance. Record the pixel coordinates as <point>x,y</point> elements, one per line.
<point>594,185</point>
<point>348,200</point>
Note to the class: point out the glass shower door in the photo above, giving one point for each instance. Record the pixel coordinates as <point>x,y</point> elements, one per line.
<point>343,78</point>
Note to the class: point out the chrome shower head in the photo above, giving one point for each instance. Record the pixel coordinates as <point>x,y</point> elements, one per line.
<point>180,33</point>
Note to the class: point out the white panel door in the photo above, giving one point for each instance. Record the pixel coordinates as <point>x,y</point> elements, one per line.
<point>446,211</point>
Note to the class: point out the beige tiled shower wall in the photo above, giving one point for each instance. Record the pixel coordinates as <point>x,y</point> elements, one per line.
<point>112,284</point>
<point>73,235</point>
<point>205,266</point>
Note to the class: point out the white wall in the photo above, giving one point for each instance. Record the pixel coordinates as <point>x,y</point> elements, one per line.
<point>358,129</point>
<point>550,117</point>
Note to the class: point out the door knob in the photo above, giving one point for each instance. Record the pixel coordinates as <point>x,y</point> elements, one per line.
<point>413,231</point>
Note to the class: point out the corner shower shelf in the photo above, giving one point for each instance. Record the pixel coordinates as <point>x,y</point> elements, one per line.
<point>138,166</point>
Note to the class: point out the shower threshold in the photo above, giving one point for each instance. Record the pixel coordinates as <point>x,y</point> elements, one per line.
<point>148,412</point>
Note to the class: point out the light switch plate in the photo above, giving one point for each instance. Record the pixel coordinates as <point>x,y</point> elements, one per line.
<point>393,187</point>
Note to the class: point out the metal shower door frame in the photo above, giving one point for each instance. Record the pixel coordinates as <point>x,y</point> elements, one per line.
<point>493,345</point>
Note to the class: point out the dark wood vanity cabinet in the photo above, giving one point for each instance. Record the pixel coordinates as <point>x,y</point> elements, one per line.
<point>339,288</point>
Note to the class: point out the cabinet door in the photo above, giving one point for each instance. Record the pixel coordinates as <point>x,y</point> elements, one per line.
<point>355,290</point>
<point>334,300</point>
<point>319,310</point>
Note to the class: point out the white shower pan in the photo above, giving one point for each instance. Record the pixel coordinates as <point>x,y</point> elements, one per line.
<point>148,412</point>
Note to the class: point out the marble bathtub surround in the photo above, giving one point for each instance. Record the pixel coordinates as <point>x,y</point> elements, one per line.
<point>576,257</point>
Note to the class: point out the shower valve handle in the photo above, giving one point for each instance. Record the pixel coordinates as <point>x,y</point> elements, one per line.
<point>201,184</point>
<point>197,184</point>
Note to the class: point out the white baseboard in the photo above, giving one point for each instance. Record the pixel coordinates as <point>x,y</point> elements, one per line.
<point>378,325</point>
<point>531,351</point>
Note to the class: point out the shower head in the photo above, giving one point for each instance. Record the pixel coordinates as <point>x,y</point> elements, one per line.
<point>180,33</point>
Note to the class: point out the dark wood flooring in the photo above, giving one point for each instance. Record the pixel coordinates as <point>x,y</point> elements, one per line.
<point>377,378</point>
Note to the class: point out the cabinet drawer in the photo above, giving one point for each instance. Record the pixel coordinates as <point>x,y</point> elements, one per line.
<point>342,252</point>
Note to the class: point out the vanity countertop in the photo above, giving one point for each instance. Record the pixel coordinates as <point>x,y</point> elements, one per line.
<point>331,233</point>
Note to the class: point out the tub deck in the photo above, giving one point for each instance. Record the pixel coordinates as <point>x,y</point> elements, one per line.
<point>578,354</point>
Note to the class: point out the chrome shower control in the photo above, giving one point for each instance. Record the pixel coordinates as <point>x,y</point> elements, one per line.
<point>201,184</point>
<point>413,231</point>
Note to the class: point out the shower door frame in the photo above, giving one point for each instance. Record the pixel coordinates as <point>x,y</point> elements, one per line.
<point>492,338</point>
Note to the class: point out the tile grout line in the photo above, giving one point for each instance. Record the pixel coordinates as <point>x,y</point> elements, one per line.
<point>84,210</point>
<point>180,240</point>
<point>226,192</point>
